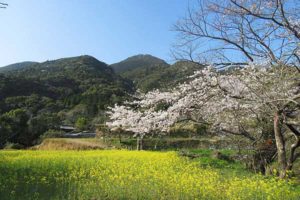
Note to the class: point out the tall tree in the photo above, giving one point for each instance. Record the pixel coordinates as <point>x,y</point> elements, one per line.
<point>236,32</point>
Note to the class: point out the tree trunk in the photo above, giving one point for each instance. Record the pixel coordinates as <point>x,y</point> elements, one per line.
<point>141,144</point>
<point>137,143</point>
<point>294,146</point>
<point>292,157</point>
<point>280,144</point>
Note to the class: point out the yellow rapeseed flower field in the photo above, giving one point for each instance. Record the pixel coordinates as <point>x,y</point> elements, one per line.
<point>120,174</point>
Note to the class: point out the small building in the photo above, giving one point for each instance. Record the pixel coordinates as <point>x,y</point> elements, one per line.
<point>66,128</point>
<point>80,135</point>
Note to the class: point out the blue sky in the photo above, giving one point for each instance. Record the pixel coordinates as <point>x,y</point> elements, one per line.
<point>110,30</point>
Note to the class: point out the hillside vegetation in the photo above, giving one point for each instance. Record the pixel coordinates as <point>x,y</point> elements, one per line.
<point>137,61</point>
<point>17,66</point>
<point>160,76</point>
<point>37,97</point>
<point>41,96</point>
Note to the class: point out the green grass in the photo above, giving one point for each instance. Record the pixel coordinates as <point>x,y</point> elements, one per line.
<point>227,166</point>
<point>172,143</point>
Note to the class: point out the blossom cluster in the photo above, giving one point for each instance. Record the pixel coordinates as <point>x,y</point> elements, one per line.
<point>225,99</point>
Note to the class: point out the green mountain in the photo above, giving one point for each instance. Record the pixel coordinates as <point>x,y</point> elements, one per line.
<point>160,76</point>
<point>16,66</point>
<point>137,61</point>
<point>63,78</point>
<point>41,96</point>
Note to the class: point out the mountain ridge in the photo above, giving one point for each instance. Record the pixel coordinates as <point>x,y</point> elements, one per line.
<point>137,61</point>
<point>17,66</point>
<point>147,72</point>
<point>145,59</point>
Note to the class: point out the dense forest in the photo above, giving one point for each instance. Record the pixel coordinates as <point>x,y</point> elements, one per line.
<point>36,98</point>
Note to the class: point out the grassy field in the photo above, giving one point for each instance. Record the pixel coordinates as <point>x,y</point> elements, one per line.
<point>130,143</point>
<point>120,174</point>
<point>71,144</point>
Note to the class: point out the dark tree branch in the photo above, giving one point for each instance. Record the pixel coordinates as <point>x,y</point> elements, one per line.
<point>294,146</point>
<point>241,133</point>
<point>3,5</point>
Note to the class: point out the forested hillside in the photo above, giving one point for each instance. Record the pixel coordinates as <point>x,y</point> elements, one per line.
<point>16,66</point>
<point>42,96</point>
<point>150,73</point>
<point>37,97</point>
<point>137,61</point>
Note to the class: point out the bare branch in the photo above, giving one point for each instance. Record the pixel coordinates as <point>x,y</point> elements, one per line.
<point>259,30</point>
<point>3,5</point>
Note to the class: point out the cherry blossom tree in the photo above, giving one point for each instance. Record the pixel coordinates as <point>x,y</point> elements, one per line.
<point>229,102</point>
<point>143,120</point>
<point>265,37</point>
<point>237,102</point>
<point>253,31</point>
